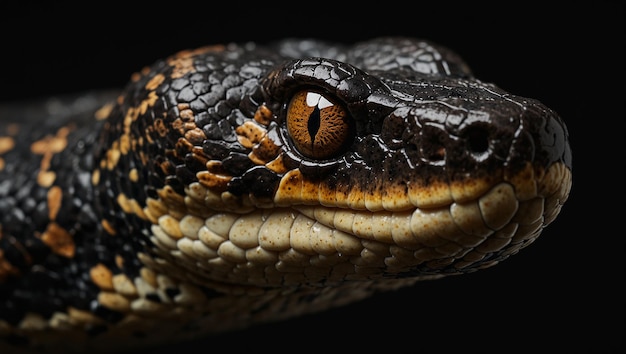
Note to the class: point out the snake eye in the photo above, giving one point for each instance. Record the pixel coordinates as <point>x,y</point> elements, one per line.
<point>319,127</point>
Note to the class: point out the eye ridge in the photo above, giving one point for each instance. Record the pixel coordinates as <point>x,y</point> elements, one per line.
<point>318,126</point>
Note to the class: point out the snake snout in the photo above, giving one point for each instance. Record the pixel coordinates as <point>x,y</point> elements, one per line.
<point>550,136</point>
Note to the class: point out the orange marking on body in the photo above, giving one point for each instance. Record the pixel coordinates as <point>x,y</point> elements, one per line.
<point>113,156</point>
<point>50,143</point>
<point>215,166</point>
<point>155,82</point>
<point>178,125</point>
<point>47,147</point>
<point>144,158</point>
<point>59,240</point>
<point>6,144</point>
<point>277,165</point>
<point>199,155</point>
<point>173,202</point>
<point>263,115</point>
<point>54,196</point>
<point>82,317</point>
<point>114,301</point>
<point>186,126</point>
<point>124,203</point>
<point>186,115</point>
<point>183,145</point>
<point>104,111</point>
<point>169,195</point>
<point>130,206</point>
<point>255,159</point>
<point>149,276</point>
<point>46,178</point>
<point>154,209</point>
<point>106,225</point>
<point>119,261</point>
<point>266,150</point>
<point>215,177</point>
<point>95,177</point>
<point>101,276</point>
<point>133,175</point>
<point>148,102</point>
<point>160,127</point>
<point>182,62</point>
<point>125,142</point>
<point>195,136</point>
<point>250,133</point>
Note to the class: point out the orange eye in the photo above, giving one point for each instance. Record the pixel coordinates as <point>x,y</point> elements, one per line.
<point>318,127</point>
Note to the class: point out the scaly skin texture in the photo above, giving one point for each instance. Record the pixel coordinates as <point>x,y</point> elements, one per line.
<point>233,185</point>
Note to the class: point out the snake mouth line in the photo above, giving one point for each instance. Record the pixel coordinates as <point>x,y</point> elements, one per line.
<point>317,244</point>
<point>462,223</point>
<point>459,233</point>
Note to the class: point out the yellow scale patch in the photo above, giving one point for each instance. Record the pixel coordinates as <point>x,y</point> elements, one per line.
<point>125,295</point>
<point>7,144</point>
<point>251,135</point>
<point>47,147</point>
<point>56,237</point>
<point>123,145</point>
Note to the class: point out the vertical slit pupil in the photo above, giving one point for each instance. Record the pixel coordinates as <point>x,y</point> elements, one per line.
<point>313,124</point>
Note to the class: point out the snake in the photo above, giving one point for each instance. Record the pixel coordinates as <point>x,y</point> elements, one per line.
<point>240,184</point>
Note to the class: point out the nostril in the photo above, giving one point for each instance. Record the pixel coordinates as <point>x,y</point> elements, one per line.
<point>477,140</point>
<point>433,144</point>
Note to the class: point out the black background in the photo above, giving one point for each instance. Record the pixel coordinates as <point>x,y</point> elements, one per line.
<point>564,293</point>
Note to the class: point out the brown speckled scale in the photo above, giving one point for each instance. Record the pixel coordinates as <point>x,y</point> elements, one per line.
<point>229,186</point>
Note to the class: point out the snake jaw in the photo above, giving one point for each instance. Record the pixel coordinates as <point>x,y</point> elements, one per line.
<point>311,240</point>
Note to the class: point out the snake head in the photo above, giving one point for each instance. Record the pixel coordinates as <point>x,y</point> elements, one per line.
<point>383,160</point>
<point>422,172</point>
